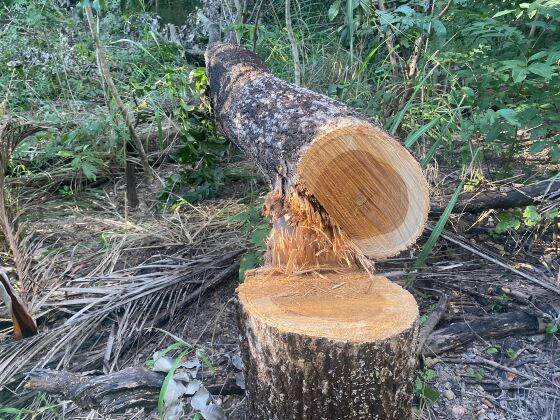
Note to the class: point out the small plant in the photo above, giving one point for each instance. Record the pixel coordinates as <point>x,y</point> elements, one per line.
<point>477,375</point>
<point>551,328</point>
<point>500,303</point>
<point>202,148</point>
<point>181,380</point>
<point>425,392</point>
<point>253,223</point>
<point>495,349</point>
<point>511,353</point>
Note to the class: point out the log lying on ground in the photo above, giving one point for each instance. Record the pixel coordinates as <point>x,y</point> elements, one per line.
<point>506,199</point>
<point>493,326</point>
<point>118,391</point>
<point>327,346</point>
<point>358,178</point>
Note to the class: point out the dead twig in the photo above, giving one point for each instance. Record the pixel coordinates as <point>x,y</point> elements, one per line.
<point>432,321</point>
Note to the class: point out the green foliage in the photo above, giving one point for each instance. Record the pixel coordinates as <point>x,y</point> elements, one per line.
<point>150,75</point>
<point>42,408</point>
<point>178,360</point>
<point>477,375</point>
<point>202,149</point>
<point>422,389</point>
<point>551,328</point>
<point>529,217</point>
<point>500,302</point>
<point>493,350</point>
<point>254,224</point>
<point>511,353</point>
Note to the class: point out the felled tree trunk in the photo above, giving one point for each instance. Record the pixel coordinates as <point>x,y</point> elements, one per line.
<point>354,173</point>
<point>322,340</point>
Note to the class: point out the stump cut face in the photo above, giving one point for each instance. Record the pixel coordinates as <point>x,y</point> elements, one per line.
<point>350,307</point>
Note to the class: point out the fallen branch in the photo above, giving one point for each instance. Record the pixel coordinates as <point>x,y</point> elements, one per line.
<point>492,326</point>
<point>505,199</point>
<point>432,320</point>
<point>118,391</point>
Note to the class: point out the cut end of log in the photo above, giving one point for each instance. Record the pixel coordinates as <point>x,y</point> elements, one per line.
<point>346,306</point>
<point>368,184</point>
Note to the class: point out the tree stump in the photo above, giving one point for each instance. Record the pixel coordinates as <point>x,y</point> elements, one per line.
<point>328,346</point>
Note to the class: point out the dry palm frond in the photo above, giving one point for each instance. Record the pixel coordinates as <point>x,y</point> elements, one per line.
<point>12,132</point>
<point>104,297</point>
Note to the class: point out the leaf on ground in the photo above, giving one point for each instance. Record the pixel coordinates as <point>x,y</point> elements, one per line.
<point>199,401</point>
<point>162,363</point>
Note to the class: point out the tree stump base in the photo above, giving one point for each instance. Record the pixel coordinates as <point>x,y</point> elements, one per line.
<point>338,345</point>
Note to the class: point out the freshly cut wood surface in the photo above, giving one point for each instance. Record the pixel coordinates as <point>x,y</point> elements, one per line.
<point>360,179</point>
<point>338,345</point>
<point>354,307</point>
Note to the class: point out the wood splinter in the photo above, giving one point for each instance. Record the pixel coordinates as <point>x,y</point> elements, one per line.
<point>323,337</point>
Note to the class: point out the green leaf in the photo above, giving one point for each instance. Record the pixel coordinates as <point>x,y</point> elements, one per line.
<point>89,170</point>
<point>167,379</point>
<point>493,133</point>
<point>518,74</point>
<point>509,115</point>
<point>555,152</point>
<point>503,13</point>
<point>541,69</point>
<point>415,135</point>
<point>259,236</point>
<point>65,153</point>
<point>537,147</point>
<point>429,374</point>
<point>249,261</point>
<point>531,14</point>
<point>506,222</point>
<point>531,216</point>
<point>334,10</point>
<point>551,214</point>
<point>511,353</point>
<point>11,410</point>
<point>551,328</point>
<point>538,55</point>
<point>492,350</point>
<point>429,245</point>
<point>439,27</point>
<point>428,393</point>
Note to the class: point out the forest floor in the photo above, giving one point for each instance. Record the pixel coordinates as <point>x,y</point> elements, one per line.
<point>117,286</point>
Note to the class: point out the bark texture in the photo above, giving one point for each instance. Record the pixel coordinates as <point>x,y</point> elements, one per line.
<point>298,372</point>
<point>355,175</point>
<point>118,391</point>
<point>292,376</point>
<point>271,120</point>
<point>494,326</point>
<point>506,199</point>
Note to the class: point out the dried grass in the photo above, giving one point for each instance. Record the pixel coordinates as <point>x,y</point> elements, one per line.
<point>101,282</point>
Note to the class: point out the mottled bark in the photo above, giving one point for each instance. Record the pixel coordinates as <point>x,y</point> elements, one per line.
<point>271,120</point>
<point>355,175</point>
<point>293,376</point>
